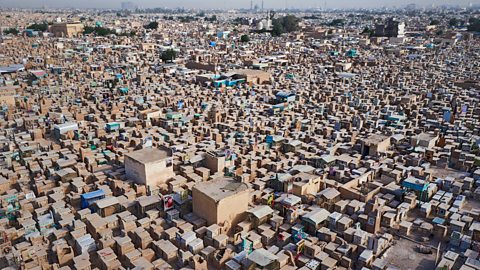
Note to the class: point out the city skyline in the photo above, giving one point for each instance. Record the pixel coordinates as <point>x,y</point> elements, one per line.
<point>224,4</point>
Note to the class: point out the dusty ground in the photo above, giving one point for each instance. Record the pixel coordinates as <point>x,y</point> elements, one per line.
<point>404,256</point>
<point>442,173</point>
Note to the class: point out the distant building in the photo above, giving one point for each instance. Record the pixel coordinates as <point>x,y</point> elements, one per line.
<point>128,5</point>
<point>71,29</point>
<point>149,166</point>
<point>11,69</point>
<point>265,24</point>
<point>221,200</point>
<point>253,76</point>
<point>411,7</point>
<point>392,28</point>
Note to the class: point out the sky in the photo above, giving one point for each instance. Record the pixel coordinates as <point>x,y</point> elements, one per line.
<point>227,4</point>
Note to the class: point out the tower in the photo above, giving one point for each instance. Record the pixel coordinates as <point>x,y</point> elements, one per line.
<point>372,209</point>
<point>262,5</point>
<point>373,222</point>
<point>214,114</point>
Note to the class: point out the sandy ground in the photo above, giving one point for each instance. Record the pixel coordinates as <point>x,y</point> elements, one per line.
<point>442,173</point>
<point>404,256</point>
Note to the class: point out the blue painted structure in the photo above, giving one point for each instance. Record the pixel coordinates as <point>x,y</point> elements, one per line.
<point>415,184</point>
<point>113,126</point>
<point>438,220</point>
<point>227,82</point>
<point>87,199</point>
<point>352,53</point>
<point>285,96</point>
<point>123,90</point>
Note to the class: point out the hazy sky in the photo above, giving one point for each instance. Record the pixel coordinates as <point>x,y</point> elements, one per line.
<point>226,3</point>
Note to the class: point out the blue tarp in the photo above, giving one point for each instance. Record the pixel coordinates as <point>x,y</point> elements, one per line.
<point>87,198</point>
<point>180,104</point>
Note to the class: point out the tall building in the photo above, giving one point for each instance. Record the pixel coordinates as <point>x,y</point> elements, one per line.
<point>392,28</point>
<point>149,166</point>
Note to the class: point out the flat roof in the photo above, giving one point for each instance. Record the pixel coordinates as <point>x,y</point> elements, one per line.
<point>103,203</point>
<point>148,200</point>
<point>317,216</point>
<point>249,72</point>
<point>375,139</point>
<point>93,194</point>
<point>261,211</point>
<point>221,188</point>
<point>425,136</point>
<point>148,155</point>
<point>262,257</point>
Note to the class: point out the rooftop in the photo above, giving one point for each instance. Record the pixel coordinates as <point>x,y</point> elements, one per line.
<point>220,189</point>
<point>375,139</point>
<point>148,155</point>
